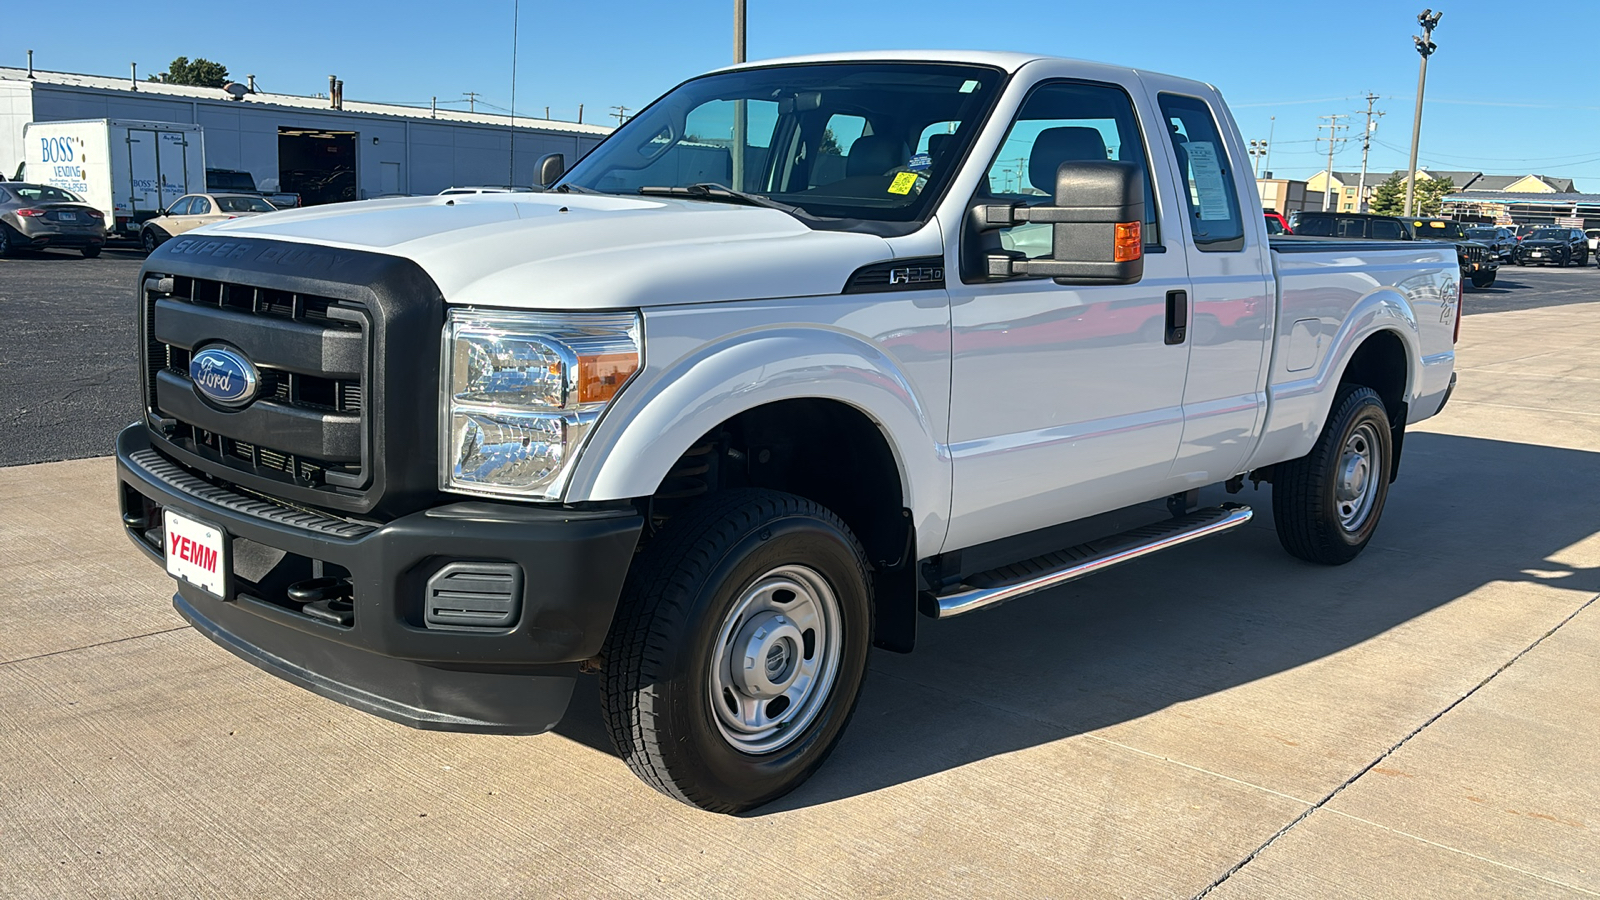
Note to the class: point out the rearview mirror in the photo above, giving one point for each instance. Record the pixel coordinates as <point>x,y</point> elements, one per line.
<point>1097,226</point>
<point>551,167</point>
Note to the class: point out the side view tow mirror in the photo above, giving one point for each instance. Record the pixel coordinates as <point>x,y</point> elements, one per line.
<point>551,167</point>
<point>1097,223</point>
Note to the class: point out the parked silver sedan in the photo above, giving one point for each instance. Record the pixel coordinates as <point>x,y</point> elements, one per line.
<point>39,216</point>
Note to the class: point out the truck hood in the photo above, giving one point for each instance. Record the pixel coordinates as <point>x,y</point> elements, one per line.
<point>583,251</point>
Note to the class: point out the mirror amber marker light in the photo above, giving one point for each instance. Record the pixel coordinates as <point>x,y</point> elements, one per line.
<point>1129,242</point>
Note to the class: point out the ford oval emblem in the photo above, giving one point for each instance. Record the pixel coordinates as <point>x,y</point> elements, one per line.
<point>223,375</point>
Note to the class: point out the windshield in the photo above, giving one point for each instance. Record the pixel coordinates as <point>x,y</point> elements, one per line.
<point>1483,234</point>
<point>873,141</point>
<point>229,181</point>
<point>244,204</point>
<point>43,193</point>
<point>1550,234</point>
<point>1438,230</point>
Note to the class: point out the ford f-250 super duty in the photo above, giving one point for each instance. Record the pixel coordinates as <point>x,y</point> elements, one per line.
<point>803,350</point>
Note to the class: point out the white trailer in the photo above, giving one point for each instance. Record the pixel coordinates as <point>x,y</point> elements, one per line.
<point>129,169</point>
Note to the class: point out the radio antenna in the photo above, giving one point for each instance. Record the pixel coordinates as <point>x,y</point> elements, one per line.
<point>511,176</point>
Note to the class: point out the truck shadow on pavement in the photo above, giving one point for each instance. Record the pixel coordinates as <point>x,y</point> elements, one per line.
<point>1201,619</point>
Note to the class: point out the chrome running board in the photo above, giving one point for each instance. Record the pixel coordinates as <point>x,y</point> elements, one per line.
<point>1062,566</point>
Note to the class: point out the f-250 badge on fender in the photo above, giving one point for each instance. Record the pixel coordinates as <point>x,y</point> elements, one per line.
<point>223,375</point>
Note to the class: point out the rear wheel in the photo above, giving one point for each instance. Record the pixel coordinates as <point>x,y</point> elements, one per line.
<point>91,252</point>
<point>8,240</point>
<point>1326,504</point>
<point>738,649</point>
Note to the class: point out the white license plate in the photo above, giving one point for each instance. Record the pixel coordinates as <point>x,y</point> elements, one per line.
<point>196,553</point>
<point>1538,253</point>
<point>67,217</point>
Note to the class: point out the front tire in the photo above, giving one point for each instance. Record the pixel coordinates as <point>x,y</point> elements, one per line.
<point>1326,504</point>
<point>148,240</point>
<point>738,650</point>
<point>1483,280</point>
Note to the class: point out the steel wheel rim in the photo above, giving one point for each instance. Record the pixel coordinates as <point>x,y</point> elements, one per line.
<point>775,660</point>
<point>1357,477</point>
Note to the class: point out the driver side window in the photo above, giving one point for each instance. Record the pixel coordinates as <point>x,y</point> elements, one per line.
<point>181,208</point>
<point>1064,122</point>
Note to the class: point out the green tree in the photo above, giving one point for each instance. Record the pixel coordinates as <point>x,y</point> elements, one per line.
<point>1389,199</point>
<point>830,144</point>
<point>1430,195</point>
<point>200,73</point>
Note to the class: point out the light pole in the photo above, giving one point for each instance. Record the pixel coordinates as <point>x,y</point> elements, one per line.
<point>1425,47</point>
<point>741,121</point>
<point>1258,149</point>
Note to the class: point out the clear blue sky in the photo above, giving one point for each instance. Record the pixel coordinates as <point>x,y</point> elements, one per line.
<point>1501,98</point>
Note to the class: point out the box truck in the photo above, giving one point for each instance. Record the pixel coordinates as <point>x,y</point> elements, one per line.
<point>130,170</point>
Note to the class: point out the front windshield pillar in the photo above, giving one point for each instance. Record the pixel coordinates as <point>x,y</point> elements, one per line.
<point>741,127</point>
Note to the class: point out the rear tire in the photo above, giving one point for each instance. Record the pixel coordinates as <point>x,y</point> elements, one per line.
<point>91,252</point>
<point>8,240</point>
<point>1326,504</point>
<point>738,649</point>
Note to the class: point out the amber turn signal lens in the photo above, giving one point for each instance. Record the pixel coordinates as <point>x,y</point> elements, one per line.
<point>1130,244</point>
<point>601,375</point>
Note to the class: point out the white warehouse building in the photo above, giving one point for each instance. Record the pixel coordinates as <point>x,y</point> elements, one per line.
<point>324,149</point>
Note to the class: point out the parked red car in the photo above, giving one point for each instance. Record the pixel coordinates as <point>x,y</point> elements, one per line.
<point>1277,224</point>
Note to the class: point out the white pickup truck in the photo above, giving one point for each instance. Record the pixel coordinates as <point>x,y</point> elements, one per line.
<point>806,348</point>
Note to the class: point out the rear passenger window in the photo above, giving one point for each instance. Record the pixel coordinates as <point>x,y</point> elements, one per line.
<point>1207,172</point>
<point>1385,230</point>
<point>1064,122</point>
<point>199,206</point>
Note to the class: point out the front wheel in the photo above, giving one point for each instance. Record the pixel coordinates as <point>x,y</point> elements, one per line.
<point>148,240</point>
<point>1326,504</point>
<point>738,650</point>
<point>1482,279</point>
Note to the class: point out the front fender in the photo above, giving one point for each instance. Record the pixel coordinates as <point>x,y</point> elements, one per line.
<point>664,412</point>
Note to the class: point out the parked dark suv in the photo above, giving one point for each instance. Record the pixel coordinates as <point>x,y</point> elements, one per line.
<point>1501,240</point>
<point>1478,261</point>
<point>1349,225</point>
<point>1552,244</point>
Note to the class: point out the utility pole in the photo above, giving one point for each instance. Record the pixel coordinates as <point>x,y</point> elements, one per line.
<point>1334,141</point>
<point>621,114</point>
<point>741,114</point>
<point>1366,144</point>
<point>1425,47</point>
<point>472,100</point>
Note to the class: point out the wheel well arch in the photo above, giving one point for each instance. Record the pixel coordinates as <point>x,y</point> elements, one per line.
<point>827,451</point>
<point>1382,364</point>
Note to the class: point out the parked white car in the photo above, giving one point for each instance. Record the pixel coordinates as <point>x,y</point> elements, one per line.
<point>805,348</point>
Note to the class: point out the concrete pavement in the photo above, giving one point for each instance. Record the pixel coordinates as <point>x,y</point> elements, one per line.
<point>1220,719</point>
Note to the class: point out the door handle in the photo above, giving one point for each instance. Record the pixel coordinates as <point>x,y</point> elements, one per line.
<point>1177,316</point>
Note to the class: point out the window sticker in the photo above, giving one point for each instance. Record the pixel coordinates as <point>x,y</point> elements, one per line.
<point>1208,181</point>
<point>968,87</point>
<point>922,162</point>
<point>903,183</point>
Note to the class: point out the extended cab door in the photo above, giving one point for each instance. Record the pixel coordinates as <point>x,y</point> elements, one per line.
<point>1230,269</point>
<point>1066,401</point>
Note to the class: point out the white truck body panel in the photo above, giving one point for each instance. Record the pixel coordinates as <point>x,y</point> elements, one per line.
<point>129,170</point>
<point>1006,409</point>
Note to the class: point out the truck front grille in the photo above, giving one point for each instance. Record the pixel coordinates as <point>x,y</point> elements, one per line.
<point>307,426</point>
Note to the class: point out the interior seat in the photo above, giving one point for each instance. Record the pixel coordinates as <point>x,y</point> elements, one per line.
<point>1054,146</point>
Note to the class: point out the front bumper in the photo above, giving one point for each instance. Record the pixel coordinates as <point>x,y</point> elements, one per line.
<point>386,660</point>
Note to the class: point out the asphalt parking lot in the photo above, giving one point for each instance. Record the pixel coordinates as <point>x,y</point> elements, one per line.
<point>1221,720</point>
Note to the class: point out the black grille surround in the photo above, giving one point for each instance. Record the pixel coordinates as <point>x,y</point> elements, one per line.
<point>326,327</point>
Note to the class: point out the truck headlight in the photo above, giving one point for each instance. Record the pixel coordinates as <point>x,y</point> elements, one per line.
<point>520,392</point>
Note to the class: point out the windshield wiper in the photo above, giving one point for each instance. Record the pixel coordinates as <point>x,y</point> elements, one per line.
<point>721,193</point>
<point>574,189</point>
